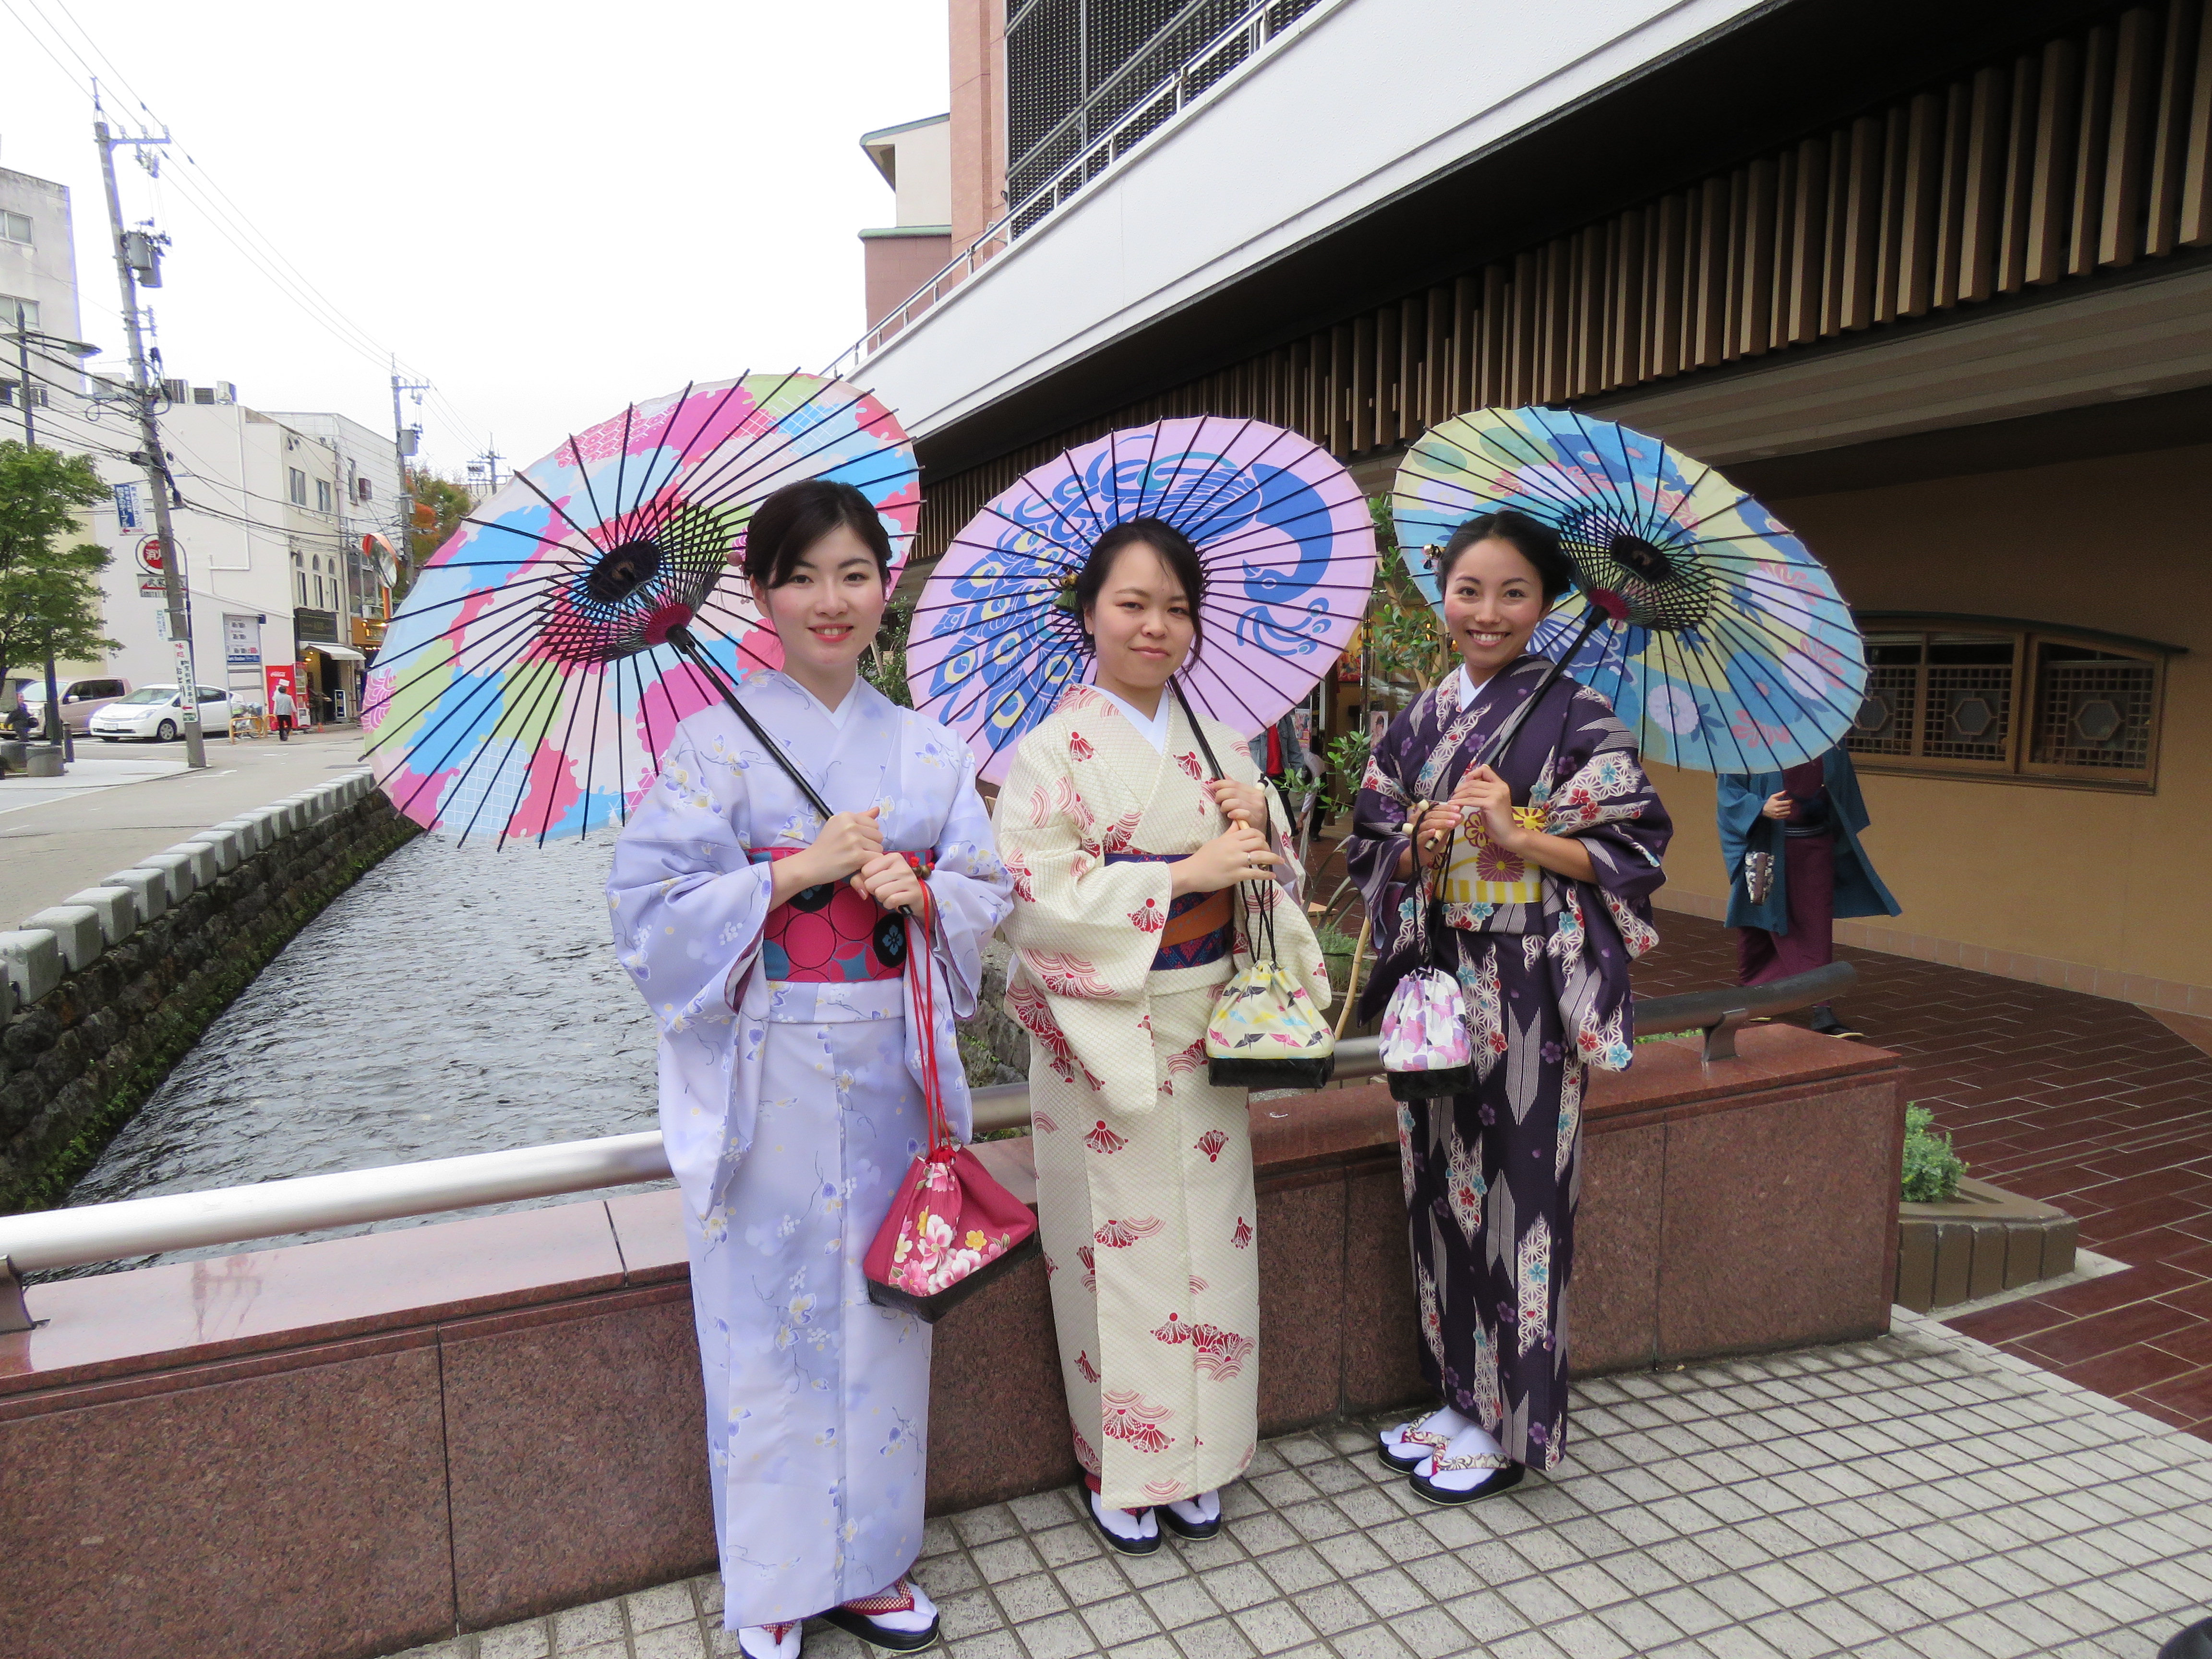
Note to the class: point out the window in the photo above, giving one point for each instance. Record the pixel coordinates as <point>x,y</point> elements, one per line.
<point>298,482</point>
<point>14,226</point>
<point>303,590</point>
<point>322,494</point>
<point>12,309</point>
<point>1995,698</point>
<point>360,489</point>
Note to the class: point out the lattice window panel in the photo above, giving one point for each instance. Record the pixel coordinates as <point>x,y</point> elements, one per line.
<point>2093,709</point>
<point>1969,712</point>
<point>1885,722</point>
<point>1044,71</point>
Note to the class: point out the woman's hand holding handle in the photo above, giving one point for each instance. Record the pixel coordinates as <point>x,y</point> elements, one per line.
<point>1240,854</point>
<point>1240,803</point>
<point>848,841</point>
<point>893,883</point>
<point>1779,805</point>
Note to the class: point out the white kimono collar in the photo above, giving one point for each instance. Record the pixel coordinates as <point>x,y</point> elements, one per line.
<point>1153,727</point>
<point>834,716</point>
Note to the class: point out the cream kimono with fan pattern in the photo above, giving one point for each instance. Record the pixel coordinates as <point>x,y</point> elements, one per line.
<point>1144,1169</point>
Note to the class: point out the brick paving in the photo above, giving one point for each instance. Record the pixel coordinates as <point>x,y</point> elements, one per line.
<point>2092,1105</point>
<point>1923,1496</point>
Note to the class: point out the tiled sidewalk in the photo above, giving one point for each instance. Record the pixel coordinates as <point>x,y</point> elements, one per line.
<point>1920,1497</point>
<point>2093,1105</point>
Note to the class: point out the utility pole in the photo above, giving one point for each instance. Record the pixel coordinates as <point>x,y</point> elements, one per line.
<point>403,445</point>
<point>156,464</point>
<point>54,727</point>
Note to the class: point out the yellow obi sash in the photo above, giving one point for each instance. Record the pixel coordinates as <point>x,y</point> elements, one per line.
<point>1482,872</point>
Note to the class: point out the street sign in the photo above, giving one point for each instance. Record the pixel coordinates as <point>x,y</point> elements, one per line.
<point>241,640</point>
<point>188,688</point>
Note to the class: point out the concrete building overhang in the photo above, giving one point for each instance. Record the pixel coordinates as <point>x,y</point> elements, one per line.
<point>1263,218</point>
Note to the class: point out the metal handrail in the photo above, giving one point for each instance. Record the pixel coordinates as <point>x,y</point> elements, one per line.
<point>1000,234</point>
<point>88,1234</point>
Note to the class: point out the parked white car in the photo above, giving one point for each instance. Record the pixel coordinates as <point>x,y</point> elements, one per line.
<point>81,700</point>
<point>157,713</point>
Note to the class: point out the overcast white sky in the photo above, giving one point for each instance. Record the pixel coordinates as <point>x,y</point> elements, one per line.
<point>547,208</point>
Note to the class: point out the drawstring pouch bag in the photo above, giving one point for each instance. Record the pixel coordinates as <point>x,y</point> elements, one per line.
<point>1427,1052</point>
<point>952,1228</point>
<point>1265,1032</point>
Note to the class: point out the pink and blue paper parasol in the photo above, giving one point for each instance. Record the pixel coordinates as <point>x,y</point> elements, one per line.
<point>1281,529</point>
<point>527,687</point>
<point>1722,643</point>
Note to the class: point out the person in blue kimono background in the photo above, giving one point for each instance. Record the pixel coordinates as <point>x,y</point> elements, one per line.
<point>1808,819</point>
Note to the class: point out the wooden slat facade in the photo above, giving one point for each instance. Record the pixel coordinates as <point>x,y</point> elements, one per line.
<point>2086,152</point>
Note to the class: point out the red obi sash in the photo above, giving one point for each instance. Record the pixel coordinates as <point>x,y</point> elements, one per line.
<point>830,933</point>
<point>1198,928</point>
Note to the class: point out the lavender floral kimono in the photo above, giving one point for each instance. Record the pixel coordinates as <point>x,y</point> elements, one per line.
<point>790,1105</point>
<point>1491,1177</point>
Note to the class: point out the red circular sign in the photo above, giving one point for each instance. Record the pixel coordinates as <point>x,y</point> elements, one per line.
<point>150,556</point>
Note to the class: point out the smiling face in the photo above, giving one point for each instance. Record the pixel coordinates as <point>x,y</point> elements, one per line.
<point>1142,625</point>
<point>1493,599</point>
<point>826,612</point>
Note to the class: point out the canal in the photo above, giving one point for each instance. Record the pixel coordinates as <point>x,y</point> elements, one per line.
<point>455,1000</point>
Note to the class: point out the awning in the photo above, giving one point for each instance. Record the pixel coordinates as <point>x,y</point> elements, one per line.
<point>335,652</point>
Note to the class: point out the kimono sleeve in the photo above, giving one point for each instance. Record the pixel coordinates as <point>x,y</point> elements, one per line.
<point>688,904</point>
<point>1084,928</point>
<point>1371,853</point>
<point>1737,803</point>
<point>970,889</point>
<point>1599,794</point>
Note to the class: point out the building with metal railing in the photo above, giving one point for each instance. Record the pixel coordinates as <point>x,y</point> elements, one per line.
<point>1931,280</point>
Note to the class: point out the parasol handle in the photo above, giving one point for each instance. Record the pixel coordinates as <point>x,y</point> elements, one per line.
<point>687,645</point>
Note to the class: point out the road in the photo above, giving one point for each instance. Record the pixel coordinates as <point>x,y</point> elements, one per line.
<point>122,801</point>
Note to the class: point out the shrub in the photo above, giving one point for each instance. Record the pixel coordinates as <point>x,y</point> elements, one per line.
<point>1931,1168</point>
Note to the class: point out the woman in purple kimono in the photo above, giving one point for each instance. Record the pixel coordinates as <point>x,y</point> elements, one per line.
<point>1542,863</point>
<point>766,944</point>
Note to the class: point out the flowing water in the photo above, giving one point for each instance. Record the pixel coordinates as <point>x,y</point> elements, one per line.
<point>456,1000</point>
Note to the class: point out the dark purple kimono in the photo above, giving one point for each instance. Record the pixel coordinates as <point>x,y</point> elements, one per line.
<point>1491,1177</point>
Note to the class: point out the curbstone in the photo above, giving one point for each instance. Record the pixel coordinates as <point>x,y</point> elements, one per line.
<point>31,959</point>
<point>205,864</point>
<point>227,845</point>
<point>118,907</point>
<point>272,821</point>
<point>251,837</point>
<point>148,889</point>
<point>75,928</point>
<point>177,868</point>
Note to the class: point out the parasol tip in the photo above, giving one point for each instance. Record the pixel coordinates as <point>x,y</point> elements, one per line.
<point>662,622</point>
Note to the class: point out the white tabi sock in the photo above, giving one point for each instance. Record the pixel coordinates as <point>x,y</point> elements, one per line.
<point>883,1609</point>
<point>1132,1524</point>
<point>769,1641</point>
<point>1443,1424</point>
<point>1473,1442</point>
<point>1201,1510</point>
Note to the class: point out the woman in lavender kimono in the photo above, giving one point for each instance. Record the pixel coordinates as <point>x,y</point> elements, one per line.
<point>765,942</point>
<point>1545,860</point>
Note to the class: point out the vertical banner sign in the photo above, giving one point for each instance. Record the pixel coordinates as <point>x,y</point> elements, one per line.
<point>188,688</point>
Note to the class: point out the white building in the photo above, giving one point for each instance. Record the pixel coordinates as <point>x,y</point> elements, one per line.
<point>271,511</point>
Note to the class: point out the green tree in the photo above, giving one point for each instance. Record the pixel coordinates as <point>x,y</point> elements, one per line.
<point>50,601</point>
<point>440,504</point>
<point>883,664</point>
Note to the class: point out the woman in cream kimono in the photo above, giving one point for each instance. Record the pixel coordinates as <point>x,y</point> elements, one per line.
<point>1126,857</point>
<point>765,942</point>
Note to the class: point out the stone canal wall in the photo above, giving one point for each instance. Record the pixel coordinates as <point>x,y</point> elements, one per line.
<point>101,994</point>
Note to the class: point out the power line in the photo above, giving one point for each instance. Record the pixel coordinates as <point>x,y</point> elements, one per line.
<point>222,212</point>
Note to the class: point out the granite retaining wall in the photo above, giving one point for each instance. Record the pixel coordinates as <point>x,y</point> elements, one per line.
<point>100,994</point>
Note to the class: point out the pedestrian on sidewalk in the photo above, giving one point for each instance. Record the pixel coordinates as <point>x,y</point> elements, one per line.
<point>1790,839</point>
<point>1528,877</point>
<point>283,711</point>
<point>766,944</point>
